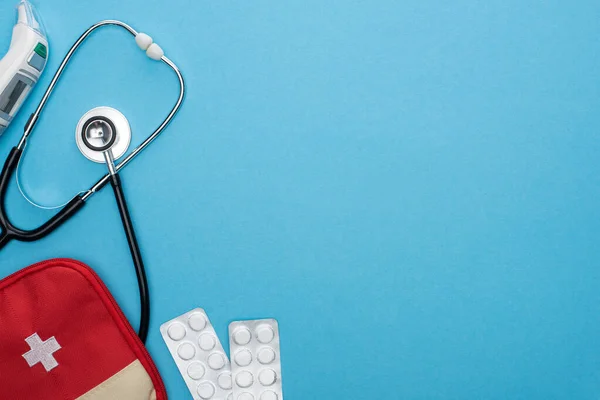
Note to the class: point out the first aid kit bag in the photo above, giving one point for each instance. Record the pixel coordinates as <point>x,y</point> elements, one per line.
<point>63,336</point>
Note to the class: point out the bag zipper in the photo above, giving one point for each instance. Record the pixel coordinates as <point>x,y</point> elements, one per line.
<point>84,269</point>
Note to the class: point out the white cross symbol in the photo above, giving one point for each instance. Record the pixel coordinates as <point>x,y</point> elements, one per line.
<point>42,352</point>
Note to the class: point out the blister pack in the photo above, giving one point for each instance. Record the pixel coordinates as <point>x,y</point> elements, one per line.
<point>255,360</point>
<point>199,355</point>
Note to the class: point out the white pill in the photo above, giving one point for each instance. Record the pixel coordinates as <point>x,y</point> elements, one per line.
<point>230,396</point>
<point>155,52</point>
<point>242,336</point>
<point>207,342</point>
<point>186,351</point>
<point>245,396</point>
<point>224,380</point>
<point>266,356</point>
<point>206,390</point>
<point>265,334</point>
<point>244,379</point>
<point>243,358</point>
<point>196,370</point>
<point>143,41</point>
<point>269,395</point>
<point>197,322</point>
<point>176,331</point>
<point>267,377</point>
<point>216,361</point>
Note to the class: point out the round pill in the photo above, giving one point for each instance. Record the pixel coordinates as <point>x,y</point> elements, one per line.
<point>245,396</point>
<point>230,396</point>
<point>196,370</point>
<point>224,380</point>
<point>269,395</point>
<point>243,358</point>
<point>197,322</point>
<point>207,342</point>
<point>266,356</point>
<point>186,351</point>
<point>206,390</point>
<point>267,377</point>
<point>216,361</point>
<point>265,334</point>
<point>176,331</point>
<point>242,336</point>
<point>244,379</point>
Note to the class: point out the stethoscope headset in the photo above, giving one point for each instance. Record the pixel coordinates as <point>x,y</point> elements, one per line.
<point>99,133</point>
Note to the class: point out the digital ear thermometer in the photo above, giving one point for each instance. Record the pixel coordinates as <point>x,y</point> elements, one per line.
<point>22,66</point>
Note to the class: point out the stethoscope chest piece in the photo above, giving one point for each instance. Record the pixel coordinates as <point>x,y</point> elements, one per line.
<point>102,129</point>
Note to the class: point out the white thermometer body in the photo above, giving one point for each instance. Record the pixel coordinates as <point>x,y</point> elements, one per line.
<point>23,64</point>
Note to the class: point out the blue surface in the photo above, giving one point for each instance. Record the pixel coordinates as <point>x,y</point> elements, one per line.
<point>410,187</point>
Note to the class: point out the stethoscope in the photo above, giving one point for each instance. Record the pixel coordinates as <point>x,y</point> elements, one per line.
<point>103,135</point>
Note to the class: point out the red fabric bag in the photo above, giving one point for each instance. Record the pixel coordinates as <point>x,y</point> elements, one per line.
<point>63,337</point>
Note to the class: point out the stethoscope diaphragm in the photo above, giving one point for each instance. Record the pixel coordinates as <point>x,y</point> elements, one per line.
<point>100,129</point>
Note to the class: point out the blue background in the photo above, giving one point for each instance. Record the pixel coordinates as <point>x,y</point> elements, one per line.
<point>411,188</point>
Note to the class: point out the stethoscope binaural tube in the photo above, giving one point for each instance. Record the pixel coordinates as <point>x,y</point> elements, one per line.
<point>10,232</point>
<point>34,117</point>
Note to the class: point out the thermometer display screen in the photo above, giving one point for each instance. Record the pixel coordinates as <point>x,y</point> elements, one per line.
<point>12,98</point>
